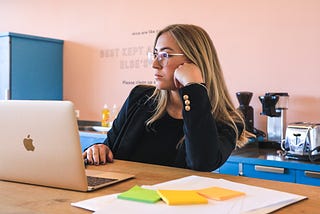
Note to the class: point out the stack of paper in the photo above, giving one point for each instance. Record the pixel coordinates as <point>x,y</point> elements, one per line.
<point>254,200</point>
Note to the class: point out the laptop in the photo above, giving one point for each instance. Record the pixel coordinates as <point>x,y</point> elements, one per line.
<point>40,145</point>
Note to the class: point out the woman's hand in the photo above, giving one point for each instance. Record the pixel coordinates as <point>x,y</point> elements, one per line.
<point>98,154</point>
<point>187,73</point>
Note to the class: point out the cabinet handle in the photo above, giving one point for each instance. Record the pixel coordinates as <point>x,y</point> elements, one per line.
<point>240,169</point>
<point>7,94</point>
<point>312,174</point>
<point>269,169</point>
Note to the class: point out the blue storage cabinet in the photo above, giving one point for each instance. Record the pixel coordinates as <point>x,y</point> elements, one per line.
<point>270,170</point>
<point>31,67</point>
<point>267,164</point>
<point>307,176</point>
<point>230,168</point>
<point>89,138</point>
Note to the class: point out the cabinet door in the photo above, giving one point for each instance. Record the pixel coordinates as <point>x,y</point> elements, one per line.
<point>36,68</point>
<point>230,168</point>
<point>4,68</point>
<point>88,138</point>
<point>308,177</point>
<point>269,172</point>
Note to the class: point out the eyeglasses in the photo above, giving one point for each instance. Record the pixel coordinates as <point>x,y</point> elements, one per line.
<point>161,56</point>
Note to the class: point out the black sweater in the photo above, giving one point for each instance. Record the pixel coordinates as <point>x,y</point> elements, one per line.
<point>207,144</point>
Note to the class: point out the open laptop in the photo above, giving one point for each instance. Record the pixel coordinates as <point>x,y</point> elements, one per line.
<point>40,144</point>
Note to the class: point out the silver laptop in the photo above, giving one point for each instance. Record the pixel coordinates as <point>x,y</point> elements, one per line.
<point>40,145</point>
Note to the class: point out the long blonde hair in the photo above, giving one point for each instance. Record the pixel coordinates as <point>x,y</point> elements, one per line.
<point>198,47</point>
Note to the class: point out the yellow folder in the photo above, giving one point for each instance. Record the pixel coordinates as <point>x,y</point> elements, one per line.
<point>219,193</point>
<point>181,197</point>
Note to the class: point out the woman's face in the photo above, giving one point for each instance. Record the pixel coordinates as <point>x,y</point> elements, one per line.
<point>164,74</point>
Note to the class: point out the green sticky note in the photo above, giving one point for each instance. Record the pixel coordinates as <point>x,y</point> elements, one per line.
<point>137,193</point>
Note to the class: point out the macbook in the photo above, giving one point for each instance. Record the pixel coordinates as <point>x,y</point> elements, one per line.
<point>40,144</point>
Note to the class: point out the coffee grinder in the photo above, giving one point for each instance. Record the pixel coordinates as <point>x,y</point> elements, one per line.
<point>275,106</point>
<point>244,98</point>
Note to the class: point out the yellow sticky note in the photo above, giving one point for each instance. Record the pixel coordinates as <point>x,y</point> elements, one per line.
<point>219,193</point>
<point>180,197</point>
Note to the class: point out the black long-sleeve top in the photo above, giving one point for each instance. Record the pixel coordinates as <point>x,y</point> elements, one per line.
<point>207,143</point>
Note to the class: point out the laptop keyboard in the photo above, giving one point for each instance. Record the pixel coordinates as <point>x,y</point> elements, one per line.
<point>95,181</point>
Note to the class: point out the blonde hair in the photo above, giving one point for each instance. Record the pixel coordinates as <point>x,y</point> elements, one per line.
<point>198,47</point>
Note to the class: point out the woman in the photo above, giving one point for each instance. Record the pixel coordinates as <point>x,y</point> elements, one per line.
<point>187,120</point>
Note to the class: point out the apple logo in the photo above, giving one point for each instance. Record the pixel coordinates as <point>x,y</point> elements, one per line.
<point>28,143</point>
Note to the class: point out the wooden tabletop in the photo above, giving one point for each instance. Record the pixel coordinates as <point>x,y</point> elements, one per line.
<point>24,198</point>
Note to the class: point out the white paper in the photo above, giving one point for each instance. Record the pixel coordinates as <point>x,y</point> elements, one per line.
<point>256,199</point>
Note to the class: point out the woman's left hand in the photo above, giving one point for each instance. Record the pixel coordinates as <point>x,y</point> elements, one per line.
<point>187,73</point>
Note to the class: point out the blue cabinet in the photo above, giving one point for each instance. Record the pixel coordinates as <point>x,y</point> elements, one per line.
<point>255,162</point>
<point>268,172</point>
<point>89,138</point>
<point>250,162</point>
<point>31,67</point>
<point>310,177</point>
<point>230,168</point>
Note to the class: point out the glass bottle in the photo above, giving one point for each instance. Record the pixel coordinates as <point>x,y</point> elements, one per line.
<point>105,120</point>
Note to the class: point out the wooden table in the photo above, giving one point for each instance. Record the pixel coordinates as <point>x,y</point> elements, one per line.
<point>23,198</point>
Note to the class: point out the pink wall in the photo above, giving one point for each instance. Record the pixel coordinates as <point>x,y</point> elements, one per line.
<point>264,46</point>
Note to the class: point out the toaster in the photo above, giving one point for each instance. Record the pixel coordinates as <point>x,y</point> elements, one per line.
<point>302,141</point>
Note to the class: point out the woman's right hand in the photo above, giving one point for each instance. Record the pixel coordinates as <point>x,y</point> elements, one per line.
<point>187,73</point>
<point>98,154</point>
